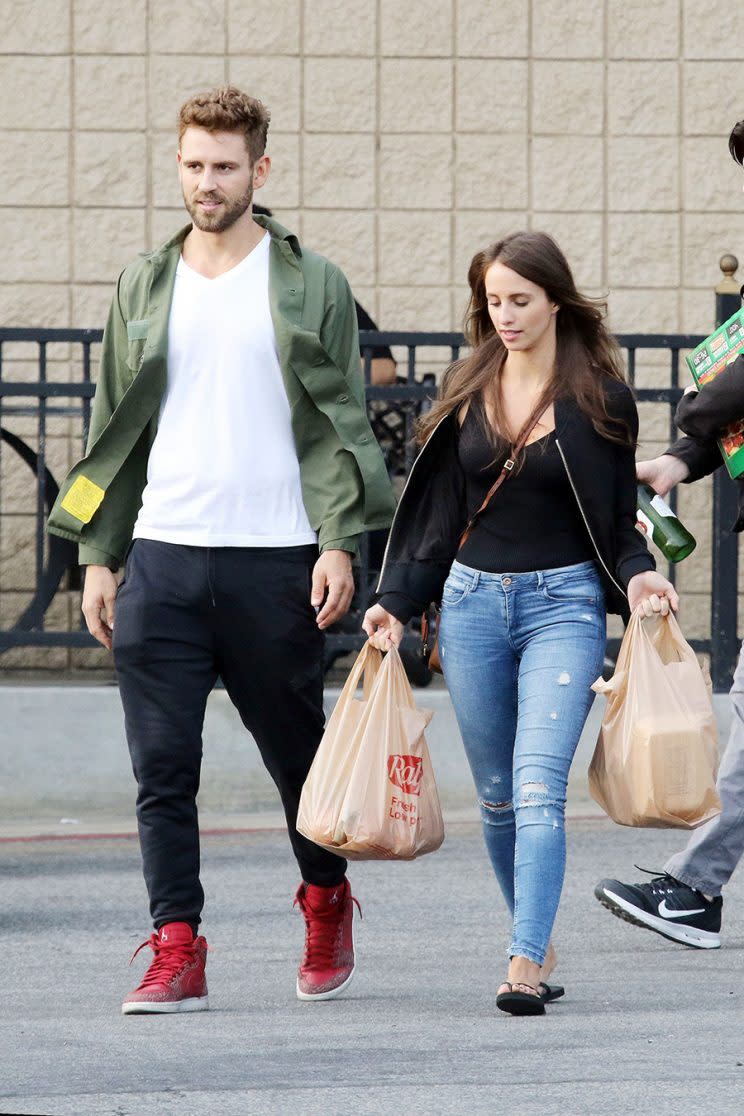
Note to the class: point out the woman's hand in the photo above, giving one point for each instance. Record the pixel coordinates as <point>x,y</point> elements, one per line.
<point>649,592</point>
<point>383,629</point>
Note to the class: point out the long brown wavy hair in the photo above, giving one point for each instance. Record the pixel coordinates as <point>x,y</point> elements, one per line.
<point>585,350</point>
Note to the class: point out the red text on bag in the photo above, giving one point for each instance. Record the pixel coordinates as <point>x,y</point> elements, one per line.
<point>406,772</point>
<point>403,811</point>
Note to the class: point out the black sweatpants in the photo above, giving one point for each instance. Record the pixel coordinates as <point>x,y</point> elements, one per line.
<point>184,616</point>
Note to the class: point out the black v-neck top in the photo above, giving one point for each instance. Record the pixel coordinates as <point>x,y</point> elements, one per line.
<point>533,521</point>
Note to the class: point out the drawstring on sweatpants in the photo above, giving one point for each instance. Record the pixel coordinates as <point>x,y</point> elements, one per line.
<point>210,571</point>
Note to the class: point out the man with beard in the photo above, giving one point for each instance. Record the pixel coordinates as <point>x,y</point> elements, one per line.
<point>231,470</point>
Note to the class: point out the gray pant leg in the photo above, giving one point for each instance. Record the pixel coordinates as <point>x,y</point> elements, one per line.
<point>715,849</point>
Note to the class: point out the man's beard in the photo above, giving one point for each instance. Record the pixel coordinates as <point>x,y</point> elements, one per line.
<point>223,218</point>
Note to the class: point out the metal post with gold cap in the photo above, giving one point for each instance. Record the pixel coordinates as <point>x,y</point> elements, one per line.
<point>725,556</point>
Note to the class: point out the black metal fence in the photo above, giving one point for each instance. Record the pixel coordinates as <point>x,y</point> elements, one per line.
<point>393,410</point>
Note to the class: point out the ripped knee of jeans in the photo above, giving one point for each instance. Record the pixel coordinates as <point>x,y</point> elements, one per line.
<point>537,793</point>
<point>534,794</point>
<point>541,805</point>
<point>496,813</point>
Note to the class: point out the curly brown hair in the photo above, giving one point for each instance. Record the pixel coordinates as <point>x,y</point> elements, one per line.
<point>586,353</point>
<point>227,109</point>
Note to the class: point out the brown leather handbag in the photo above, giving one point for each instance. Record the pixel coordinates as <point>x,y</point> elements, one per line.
<point>430,652</point>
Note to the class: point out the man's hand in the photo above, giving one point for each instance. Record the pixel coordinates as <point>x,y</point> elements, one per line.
<point>99,595</point>
<point>662,473</point>
<point>332,573</point>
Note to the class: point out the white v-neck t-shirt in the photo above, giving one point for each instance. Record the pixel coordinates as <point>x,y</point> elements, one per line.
<point>223,469</point>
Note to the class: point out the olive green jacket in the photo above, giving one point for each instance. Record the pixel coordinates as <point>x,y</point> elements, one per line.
<point>345,486</point>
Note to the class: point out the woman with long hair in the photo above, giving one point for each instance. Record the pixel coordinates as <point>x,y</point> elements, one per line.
<point>526,577</point>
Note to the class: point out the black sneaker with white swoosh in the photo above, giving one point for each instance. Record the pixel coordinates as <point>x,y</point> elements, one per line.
<point>667,907</point>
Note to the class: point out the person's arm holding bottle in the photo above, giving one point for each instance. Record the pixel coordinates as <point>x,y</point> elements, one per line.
<point>702,416</point>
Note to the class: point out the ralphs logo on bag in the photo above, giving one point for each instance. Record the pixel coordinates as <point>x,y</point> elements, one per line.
<point>406,772</point>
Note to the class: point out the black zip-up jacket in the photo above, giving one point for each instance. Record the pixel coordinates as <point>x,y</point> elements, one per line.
<point>704,416</point>
<point>432,512</point>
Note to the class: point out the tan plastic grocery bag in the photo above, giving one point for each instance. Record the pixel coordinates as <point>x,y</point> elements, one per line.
<point>656,758</point>
<point>370,793</point>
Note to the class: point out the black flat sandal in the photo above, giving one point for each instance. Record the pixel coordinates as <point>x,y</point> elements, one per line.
<point>550,992</point>
<point>520,1003</point>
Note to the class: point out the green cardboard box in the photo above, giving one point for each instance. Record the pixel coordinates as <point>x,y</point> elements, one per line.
<point>709,359</point>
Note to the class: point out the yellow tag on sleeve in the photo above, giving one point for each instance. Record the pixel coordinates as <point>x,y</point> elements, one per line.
<point>83,499</point>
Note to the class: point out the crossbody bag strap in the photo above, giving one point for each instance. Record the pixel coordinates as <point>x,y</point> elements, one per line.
<point>505,471</point>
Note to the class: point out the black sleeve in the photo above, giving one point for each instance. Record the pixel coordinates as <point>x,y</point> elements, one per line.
<point>365,322</point>
<point>701,458</point>
<point>632,553</point>
<point>719,403</point>
<point>427,543</point>
<point>402,607</point>
<point>425,536</point>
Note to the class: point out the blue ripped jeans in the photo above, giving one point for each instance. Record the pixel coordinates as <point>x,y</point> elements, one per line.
<point>519,653</point>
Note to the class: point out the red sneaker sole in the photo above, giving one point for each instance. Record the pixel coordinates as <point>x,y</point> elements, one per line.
<point>153,1007</point>
<point>330,995</point>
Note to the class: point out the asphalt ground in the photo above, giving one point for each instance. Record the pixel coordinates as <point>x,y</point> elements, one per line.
<point>646,1026</point>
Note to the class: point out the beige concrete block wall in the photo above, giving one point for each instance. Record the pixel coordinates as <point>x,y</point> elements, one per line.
<point>405,136</point>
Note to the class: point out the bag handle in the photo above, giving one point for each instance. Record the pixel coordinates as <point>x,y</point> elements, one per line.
<point>505,471</point>
<point>635,631</point>
<point>365,669</point>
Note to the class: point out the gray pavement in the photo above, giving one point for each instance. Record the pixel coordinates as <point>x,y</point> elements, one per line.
<point>69,760</point>
<point>646,1026</point>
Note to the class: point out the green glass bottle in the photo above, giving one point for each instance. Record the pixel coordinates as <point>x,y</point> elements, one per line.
<point>661,525</point>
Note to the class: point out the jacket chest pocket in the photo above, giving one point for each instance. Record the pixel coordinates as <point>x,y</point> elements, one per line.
<point>136,340</point>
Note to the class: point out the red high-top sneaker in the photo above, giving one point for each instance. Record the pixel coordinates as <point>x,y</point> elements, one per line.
<point>176,980</point>
<point>327,966</point>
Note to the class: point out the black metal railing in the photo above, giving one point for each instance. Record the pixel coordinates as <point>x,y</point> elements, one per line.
<point>393,410</point>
